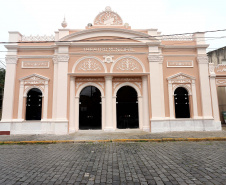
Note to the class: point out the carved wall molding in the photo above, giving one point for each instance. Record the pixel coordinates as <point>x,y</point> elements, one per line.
<point>90,65</point>
<point>35,64</point>
<point>138,84</point>
<point>120,79</point>
<point>89,79</point>
<point>221,68</point>
<point>179,63</point>
<point>155,58</point>
<point>127,65</point>
<point>115,84</point>
<point>11,59</point>
<point>221,82</point>
<point>28,88</point>
<point>101,84</point>
<point>181,79</point>
<point>78,84</point>
<point>186,86</point>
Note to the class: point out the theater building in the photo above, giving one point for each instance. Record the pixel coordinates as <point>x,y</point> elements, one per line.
<point>108,77</point>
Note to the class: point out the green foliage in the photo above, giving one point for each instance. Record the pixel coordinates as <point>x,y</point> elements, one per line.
<point>2,79</point>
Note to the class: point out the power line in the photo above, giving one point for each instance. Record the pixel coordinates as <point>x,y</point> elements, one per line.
<point>119,38</point>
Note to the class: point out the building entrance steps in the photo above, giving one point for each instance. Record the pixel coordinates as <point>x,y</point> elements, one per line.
<point>120,135</point>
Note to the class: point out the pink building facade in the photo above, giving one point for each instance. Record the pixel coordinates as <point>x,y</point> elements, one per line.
<point>108,77</point>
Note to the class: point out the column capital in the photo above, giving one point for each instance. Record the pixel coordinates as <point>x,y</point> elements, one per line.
<point>60,58</point>
<point>108,77</point>
<point>11,59</point>
<point>212,70</point>
<point>202,59</point>
<point>155,58</point>
<point>144,78</point>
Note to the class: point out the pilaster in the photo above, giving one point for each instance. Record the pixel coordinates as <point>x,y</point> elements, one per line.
<point>72,105</point>
<point>171,103</point>
<point>45,107</point>
<point>156,84</point>
<point>21,98</point>
<point>8,101</point>
<point>194,100</point>
<point>61,103</point>
<point>205,86</point>
<point>146,121</point>
<point>108,102</point>
<point>54,108</point>
<point>214,95</point>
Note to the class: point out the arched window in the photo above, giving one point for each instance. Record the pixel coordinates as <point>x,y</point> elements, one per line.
<point>34,104</point>
<point>181,101</point>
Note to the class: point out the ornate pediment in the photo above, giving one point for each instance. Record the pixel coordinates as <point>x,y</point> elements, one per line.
<point>108,18</point>
<point>180,78</point>
<point>34,79</point>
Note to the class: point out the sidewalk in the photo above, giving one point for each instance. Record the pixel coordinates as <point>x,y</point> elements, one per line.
<point>126,135</point>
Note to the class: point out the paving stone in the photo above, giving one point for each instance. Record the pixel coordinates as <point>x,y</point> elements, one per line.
<point>114,163</point>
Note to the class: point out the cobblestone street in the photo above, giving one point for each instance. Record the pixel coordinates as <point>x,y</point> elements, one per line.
<point>114,163</point>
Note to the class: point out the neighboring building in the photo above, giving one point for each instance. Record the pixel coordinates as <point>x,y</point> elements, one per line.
<point>108,77</point>
<point>218,58</point>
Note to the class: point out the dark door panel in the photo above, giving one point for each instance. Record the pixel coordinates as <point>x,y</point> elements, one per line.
<point>90,108</point>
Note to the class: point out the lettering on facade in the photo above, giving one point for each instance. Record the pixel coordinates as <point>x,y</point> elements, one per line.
<point>111,49</point>
<point>179,63</point>
<point>35,64</point>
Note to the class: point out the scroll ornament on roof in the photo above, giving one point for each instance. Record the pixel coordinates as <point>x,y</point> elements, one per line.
<point>108,18</point>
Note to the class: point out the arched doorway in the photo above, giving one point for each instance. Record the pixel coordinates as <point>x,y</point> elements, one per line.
<point>34,104</point>
<point>181,101</point>
<point>127,108</point>
<point>90,108</point>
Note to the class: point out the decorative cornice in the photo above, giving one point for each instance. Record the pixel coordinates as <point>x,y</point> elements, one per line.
<point>60,58</point>
<point>178,38</point>
<point>202,59</point>
<point>35,56</point>
<point>155,58</point>
<point>38,38</point>
<point>11,59</point>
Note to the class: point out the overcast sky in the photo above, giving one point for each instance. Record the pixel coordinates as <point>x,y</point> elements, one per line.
<point>32,17</point>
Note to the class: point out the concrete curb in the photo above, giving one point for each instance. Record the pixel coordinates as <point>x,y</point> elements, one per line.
<point>116,140</point>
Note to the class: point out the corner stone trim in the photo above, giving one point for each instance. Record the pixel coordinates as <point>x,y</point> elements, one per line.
<point>11,59</point>
<point>155,58</point>
<point>60,58</point>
